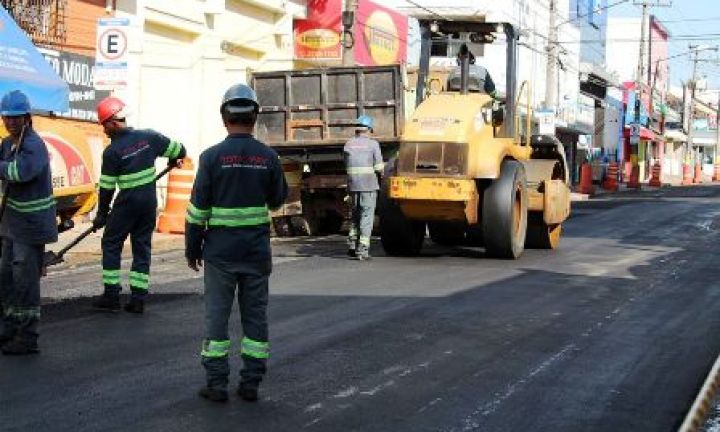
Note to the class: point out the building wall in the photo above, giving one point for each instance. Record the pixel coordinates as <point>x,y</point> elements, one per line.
<point>80,23</point>
<point>622,47</point>
<point>82,16</point>
<point>658,69</point>
<point>591,17</point>
<point>184,54</point>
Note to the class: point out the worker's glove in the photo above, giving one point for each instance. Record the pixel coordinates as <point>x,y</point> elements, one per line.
<point>99,222</point>
<point>175,163</point>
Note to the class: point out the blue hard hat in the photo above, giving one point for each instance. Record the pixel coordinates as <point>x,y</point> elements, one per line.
<point>239,98</point>
<point>14,103</point>
<point>365,121</point>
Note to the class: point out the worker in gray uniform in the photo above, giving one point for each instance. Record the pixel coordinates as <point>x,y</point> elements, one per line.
<point>364,165</point>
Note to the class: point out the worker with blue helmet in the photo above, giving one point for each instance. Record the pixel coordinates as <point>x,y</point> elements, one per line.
<point>364,164</point>
<point>27,224</point>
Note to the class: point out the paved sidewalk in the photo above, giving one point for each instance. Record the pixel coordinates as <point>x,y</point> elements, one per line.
<point>89,250</point>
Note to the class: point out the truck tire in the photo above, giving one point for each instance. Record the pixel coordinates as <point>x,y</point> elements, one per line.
<point>474,236</point>
<point>303,226</point>
<point>399,236</point>
<point>505,215</point>
<point>282,227</point>
<point>541,235</point>
<point>446,233</point>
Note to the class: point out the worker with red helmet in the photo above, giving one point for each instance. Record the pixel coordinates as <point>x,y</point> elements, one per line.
<point>128,164</point>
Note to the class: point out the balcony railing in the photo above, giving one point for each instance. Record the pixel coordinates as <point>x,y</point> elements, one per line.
<point>42,20</point>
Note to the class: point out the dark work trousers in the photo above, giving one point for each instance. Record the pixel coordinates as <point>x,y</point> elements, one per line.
<point>20,271</point>
<point>362,217</point>
<point>221,284</point>
<point>139,225</point>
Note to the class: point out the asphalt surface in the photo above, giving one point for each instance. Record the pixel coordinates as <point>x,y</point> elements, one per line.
<point>615,331</point>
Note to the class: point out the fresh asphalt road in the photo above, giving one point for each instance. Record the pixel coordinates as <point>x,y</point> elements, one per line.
<point>615,331</point>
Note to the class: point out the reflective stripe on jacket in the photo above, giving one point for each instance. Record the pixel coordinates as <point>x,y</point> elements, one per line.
<point>228,218</point>
<point>129,165</point>
<point>363,160</point>
<point>30,215</point>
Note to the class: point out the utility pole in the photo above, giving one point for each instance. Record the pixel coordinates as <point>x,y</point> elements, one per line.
<point>693,85</point>
<point>695,58</point>
<point>348,40</point>
<point>635,130</point>
<point>634,180</point>
<point>552,60</point>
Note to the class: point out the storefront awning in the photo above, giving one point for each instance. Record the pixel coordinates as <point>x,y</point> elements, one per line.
<point>23,68</point>
<point>645,134</point>
<point>675,135</point>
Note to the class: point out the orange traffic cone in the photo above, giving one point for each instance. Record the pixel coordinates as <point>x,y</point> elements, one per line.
<point>634,181</point>
<point>655,176</point>
<point>180,182</point>
<point>586,184</point>
<point>611,183</point>
<point>697,178</point>
<point>687,175</point>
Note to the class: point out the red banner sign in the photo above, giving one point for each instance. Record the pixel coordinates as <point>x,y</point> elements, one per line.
<point>380,35</point>
<point>318,36</point>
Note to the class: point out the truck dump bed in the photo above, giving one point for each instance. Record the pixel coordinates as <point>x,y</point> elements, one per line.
<point>300,109</point>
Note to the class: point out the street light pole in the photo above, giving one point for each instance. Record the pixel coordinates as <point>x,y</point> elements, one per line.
<point>552,48</point>
<point>634,181</point>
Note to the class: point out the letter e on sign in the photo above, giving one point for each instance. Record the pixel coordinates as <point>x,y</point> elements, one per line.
<point>112,44</point>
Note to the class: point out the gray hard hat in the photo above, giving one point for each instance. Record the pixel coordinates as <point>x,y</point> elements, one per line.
<point>239,98</point>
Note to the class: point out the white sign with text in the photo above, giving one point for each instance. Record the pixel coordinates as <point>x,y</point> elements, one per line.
<point>111,53</point>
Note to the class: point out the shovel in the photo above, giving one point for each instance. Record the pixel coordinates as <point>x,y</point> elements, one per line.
<point>52,258</point>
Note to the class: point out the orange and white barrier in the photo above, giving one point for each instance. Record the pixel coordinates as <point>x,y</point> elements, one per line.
<point>180,183</point>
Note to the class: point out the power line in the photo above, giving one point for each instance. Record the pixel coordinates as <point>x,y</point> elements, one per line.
<point>430,11</point>
<point>687,37</point>
<point>594,11</point>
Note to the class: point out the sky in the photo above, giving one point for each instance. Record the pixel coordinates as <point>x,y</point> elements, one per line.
<point>685,19</point>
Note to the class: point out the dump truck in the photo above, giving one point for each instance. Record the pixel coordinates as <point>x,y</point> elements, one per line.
<point>307,116</point>
<point>469,170</point>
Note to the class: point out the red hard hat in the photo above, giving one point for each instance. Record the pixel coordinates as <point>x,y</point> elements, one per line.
<point>109,107</point>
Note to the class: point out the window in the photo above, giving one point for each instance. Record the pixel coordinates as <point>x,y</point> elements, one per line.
<point>42,20</point>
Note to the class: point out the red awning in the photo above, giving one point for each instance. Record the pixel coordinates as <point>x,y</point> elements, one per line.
<point>645,134</point>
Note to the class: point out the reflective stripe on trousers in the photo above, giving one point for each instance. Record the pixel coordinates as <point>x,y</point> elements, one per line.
<point>362,218</point>
<point>20,270</point>
<point>124,222</point>
<point>223,285</point>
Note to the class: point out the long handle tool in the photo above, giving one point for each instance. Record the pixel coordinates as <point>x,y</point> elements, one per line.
<point>52,258</point>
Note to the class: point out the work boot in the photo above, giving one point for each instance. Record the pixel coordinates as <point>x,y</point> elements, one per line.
<point>364,256</point>
<point>135,305</point>
<point>19,347</point>
<point>215,394</point>
<point>107,303</point>
<point>248,390</point>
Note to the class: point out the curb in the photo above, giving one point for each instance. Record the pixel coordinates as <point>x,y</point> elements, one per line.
<point>700,409</point>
